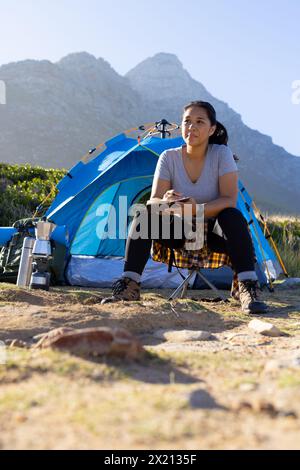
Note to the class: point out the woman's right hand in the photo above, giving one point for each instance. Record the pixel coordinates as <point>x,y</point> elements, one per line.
<point>171,196</point>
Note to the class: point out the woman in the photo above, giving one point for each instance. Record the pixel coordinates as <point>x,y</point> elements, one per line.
<point>202,171</point>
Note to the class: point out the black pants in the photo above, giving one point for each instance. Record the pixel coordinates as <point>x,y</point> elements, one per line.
<point>238,244</point>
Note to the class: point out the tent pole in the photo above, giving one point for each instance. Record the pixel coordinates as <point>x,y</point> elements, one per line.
<point>269,236</point>
<point>162,126</point>
<point>271,288</point>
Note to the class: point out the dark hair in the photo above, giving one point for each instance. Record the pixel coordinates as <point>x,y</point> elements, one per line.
<point>220,136</point>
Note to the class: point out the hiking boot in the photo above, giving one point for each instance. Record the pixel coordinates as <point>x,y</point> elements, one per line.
<point>248,298</point>
<point>124,289</point>
<point>235,294</point>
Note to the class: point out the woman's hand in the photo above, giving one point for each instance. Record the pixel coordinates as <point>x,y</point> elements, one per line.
<point>191,203</point>
<point>178,207</point>
<point>171,196</point>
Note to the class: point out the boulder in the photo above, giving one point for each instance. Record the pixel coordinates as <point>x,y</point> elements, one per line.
<point>94,342</point>
<point>51,335</point>
<point>264,328</point>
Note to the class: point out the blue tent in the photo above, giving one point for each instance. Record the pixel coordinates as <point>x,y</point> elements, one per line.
<point>125,168</point>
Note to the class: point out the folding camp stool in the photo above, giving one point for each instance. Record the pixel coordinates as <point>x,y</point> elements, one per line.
<point>194,269</point>
<point>184,285</point>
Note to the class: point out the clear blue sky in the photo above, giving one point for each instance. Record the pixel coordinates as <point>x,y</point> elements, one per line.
<point>246,53</point>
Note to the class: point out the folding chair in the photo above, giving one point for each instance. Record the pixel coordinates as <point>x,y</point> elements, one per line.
<point>204,260</point>
<point>185,283</point>
<point>212,261</point>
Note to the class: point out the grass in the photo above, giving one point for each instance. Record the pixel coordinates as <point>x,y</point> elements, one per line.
<point>23,364</point>
<point>285,232</point>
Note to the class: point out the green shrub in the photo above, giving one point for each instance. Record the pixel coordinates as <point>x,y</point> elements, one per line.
<point>286,234</point>
<point>23,188</point>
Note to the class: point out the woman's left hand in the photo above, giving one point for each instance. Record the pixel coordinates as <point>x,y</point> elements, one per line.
<point>190,201</point>
<point>181,205</point>
<point>192,206</point>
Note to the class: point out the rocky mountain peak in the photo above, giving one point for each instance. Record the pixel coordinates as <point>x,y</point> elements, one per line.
<point>87,65</point>
<point>78,60</point>
<point>164,74</point>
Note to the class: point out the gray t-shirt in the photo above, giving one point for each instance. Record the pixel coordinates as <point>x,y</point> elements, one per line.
<point>218,161</point>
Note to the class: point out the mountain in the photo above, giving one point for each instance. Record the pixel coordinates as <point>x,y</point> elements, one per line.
<point>55,112</point>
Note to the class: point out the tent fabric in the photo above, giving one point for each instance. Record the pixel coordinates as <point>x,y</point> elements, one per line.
<point>117,163</point>
<point>124,168</point>
<point>87,240</point>
<point>90,271</point>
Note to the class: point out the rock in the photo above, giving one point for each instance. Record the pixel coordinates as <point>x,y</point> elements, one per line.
<point>264,328</point>
<point>242,405</point>
<point>263,406</point>
<point>94,342</point>
<point>39,314</point>
<point>242,339</point>
<point>258,406</point>
<point>247,387</point>
<point>182,336</point>
<point>51,335</point>
<point>17,343</point>
<point>21,418</point>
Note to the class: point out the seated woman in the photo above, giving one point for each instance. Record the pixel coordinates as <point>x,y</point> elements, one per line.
<point>204,171</point>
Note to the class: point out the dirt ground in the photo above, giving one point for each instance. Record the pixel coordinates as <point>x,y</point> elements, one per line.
<point>237,390</point>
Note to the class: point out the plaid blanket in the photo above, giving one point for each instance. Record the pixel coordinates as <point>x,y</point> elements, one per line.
<point>186,259</point>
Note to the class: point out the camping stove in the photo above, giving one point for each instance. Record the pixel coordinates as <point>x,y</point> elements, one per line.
<point>41,256</point>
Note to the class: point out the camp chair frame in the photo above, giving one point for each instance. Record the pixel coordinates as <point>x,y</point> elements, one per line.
<point>185,283</point>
